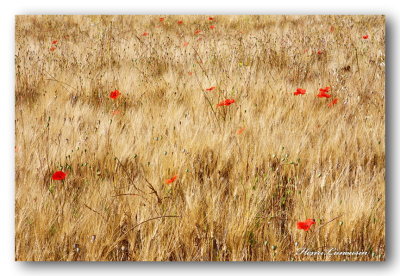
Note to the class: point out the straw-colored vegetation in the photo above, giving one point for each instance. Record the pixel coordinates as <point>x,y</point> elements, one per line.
<point>238,194</point>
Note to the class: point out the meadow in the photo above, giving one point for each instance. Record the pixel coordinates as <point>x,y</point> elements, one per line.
<point>199,137</point>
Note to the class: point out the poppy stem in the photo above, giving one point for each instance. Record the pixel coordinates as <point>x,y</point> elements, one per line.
<point>137,225</point>
<point>153,189</point>
<point>147,220</point>
<point>212,108</point>
<point>95,211</point>
<point>200,63</point>
<point>329,221</point>
<point>129,177</point>
<point>62,83</point>
<point>125,195</point>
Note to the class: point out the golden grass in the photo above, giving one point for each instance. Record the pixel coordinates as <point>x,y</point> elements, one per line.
<point>237,197</point>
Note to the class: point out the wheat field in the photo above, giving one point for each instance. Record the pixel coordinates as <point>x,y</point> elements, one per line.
<point>162,172</point>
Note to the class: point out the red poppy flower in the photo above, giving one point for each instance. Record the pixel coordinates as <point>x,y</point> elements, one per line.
<point>326,89</point>
<point>59,175</point>
<point>190,73</point>
<point>211,88</point>
<point>365,36</point>
<point>162,19</point>
<point>180,22</point>
<point>54,42</point>
<point>319,52</point>
<point>145,34</point>
<point>323,92</point>
<point>335,101</point>
<point>240,130</point>
<point>212,27</point>
<point>226,102</point>
<point>185,44</point>
<point>172,179</point>
<point>305,225</point>
<point>114,94</point>
<point>323,95</point>
<point>52,48</point>
<point>299,91</point>
<point>197,31</point>
<point>332,29</point>
<point>211,18</point>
